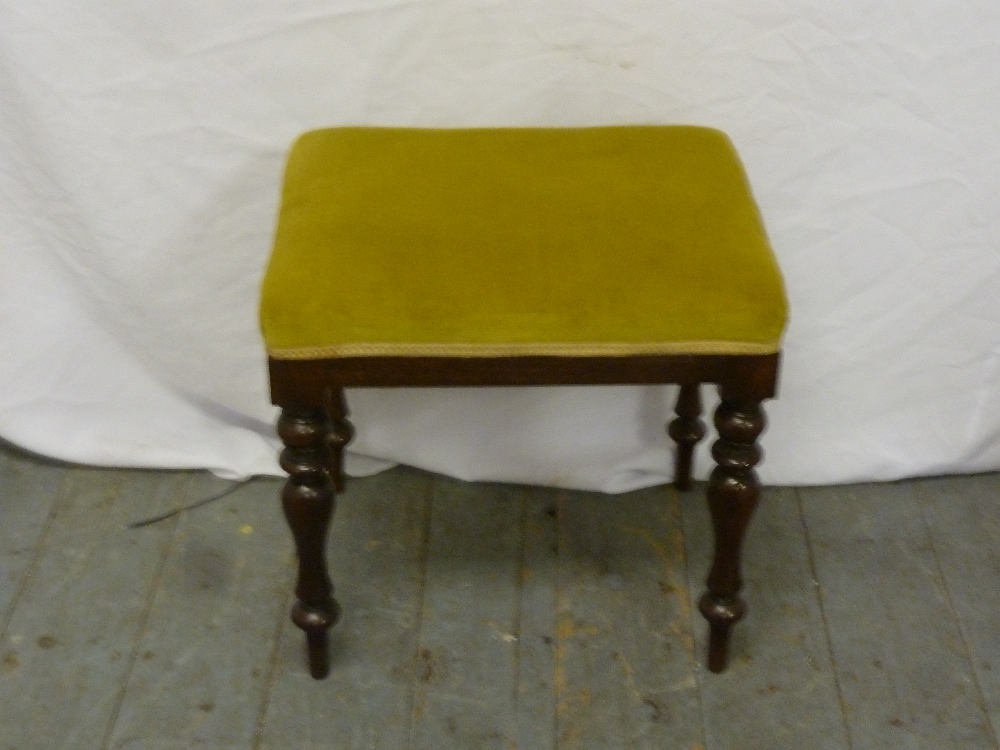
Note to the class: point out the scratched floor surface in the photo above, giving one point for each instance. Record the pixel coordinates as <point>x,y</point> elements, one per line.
<point>490,616</point>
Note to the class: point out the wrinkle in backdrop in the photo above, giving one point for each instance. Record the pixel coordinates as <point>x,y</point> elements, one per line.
<point>141,148</point>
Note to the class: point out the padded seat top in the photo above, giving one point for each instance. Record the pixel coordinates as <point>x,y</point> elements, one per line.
<point>602,241</point>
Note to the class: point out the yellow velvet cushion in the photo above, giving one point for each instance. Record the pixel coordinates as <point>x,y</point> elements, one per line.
<point>513,241</point>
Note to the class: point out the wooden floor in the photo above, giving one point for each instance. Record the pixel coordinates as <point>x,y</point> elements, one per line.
<point>488,616</point>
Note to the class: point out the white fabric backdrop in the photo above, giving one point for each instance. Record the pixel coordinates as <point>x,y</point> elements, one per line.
<point>141,146</point>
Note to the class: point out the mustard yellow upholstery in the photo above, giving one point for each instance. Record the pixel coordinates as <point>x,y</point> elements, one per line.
<point>495,242</point>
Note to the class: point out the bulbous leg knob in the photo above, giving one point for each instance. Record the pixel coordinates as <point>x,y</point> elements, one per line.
<point>340,432</point>
<point>686,431</point>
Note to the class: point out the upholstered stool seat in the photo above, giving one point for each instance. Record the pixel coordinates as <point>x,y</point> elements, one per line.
<point>519,256</point>
<point>618,240</point>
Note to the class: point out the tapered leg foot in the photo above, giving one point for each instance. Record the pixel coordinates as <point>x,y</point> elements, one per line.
<point>317,643</point>
<point>686,430</point>
<point>733,493</point>
<point>308,502</point>
<point>721,614</point>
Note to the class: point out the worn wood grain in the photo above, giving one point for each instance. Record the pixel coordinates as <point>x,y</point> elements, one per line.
<point>78,620</point>
<point>779,689</point>
<point>200,673</point>
<point>377,543</point>
<point>535,701</point>
<point>466,677</point>
<point>902,666</point>
<point>531,593</point>
<point>962,516</point>
<point>624,647</point>
<point>29,490</point>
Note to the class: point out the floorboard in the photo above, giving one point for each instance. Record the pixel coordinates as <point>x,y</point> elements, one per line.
<point>535,701</point>
<point>492,616</point>
<point>76,626</point>
<point>624,647</point>
<point>902,667</point>
<point>466,678</point>
<point>962,516</point>
<point>29,491</point>
<point>200,673</point>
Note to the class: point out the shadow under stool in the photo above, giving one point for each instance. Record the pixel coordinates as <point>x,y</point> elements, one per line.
<point>409,257</point>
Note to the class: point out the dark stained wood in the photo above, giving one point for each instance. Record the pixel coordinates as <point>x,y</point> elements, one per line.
<point>308,502</point>
<point>733,492</point>
<point>306,382</point>
<point>687,430</point>
<point>315,430</point>
<point>339,433</point>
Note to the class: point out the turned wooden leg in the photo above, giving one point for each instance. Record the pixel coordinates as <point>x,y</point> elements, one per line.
<point>733,492</point>
<point>308,502</point>
<point>339,433</point>
<point>686,430</point>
